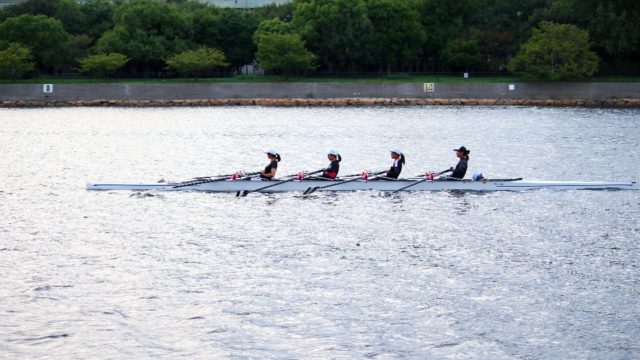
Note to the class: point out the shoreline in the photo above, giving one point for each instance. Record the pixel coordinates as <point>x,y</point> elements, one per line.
<point>327,102</point>
<point>321,94</point>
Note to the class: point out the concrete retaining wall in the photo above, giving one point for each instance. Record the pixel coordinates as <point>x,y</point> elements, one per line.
<point>169,93</point>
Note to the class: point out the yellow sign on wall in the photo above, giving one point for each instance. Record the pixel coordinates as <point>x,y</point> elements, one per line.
<point>429,87</point>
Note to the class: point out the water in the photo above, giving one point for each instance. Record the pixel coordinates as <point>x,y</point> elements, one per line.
<point>529,275</point>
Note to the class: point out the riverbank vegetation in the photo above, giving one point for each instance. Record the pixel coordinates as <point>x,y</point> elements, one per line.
<point>320,40</point>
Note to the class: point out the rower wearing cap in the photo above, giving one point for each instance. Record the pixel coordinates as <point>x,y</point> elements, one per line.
<point>270,170</point>
<point>461,169</point>
<point>332,171</point>
<point>398,161</point>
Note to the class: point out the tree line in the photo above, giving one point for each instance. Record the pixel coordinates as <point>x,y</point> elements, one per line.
<point>545,39</point>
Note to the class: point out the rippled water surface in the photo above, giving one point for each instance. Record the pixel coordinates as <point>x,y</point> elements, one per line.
<point>509,275</point>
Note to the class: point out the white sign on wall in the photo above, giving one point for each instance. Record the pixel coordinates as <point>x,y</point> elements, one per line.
<point>512,87</point>
<point>429,87</point>
<point>48,88</point>
<point>466,75</point>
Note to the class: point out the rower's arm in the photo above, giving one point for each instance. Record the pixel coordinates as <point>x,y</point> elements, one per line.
<point>270,174</point>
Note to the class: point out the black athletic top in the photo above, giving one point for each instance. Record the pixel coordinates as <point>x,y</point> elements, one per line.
<point>395,170</point>
<point>460,170</point>
<point>267,169</point>
<point>332,170</point>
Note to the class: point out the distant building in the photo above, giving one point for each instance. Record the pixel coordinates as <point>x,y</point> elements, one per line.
<point>238,4</point>
<point>243,4</point>
<point>8,2</point>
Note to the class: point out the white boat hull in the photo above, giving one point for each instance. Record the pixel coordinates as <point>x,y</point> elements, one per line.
<point>376,185</point>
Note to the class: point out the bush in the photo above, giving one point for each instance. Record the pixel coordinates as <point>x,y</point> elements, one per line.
<point>15,61</point>
<point>555,52</point>
<point>284,54</point>
<point>193,62</point>
<point>103,64</point>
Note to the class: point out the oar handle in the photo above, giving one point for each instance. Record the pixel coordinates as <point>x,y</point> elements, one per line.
<point>225,176</point>
<point>361,177</point>
<point>445,171</point>
<point>375,174</point>
<point>430,178</point>
<point>284,181</point>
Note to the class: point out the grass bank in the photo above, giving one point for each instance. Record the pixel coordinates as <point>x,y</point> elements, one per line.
<point>392,79</point>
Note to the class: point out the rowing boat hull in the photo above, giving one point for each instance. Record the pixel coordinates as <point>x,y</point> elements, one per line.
<point>377,185</point>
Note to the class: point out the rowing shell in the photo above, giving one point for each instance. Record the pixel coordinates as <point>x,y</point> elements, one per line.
<point>376,185</point>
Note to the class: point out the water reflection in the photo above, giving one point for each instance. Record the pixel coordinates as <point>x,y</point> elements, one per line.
<point>330,275</point>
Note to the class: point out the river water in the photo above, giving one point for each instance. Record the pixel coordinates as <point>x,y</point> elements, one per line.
<point>506,275</point>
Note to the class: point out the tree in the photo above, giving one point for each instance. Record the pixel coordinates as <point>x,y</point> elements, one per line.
<point>103,64</point>
<point>204,22</point>
<point>556,52</point>
<point>339,31</point>
<point>616,34</point>
<point>147,32</point>
<point>500,26</point>
<point>398,34</point>
<point>44,36</point>
<point>282,12</point>
<point>98,17</point>
<point>273,26</point>
<point>444,21</point>
<point>614,28</point>
<point>236,29</point>
<point>283,53</point>
<point>15,61</point>
<point>462,54</point>
<point>67,11</point>
<point>193,62</point>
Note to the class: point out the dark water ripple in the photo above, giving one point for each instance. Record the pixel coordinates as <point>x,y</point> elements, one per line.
<point>530,275</point>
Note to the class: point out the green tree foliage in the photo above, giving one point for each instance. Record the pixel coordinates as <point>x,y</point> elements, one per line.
<point>284,54</point>
<point>614,27</point>
<point>204,23</point>
<point>616,33</point>
<point>44,36</point>
<point>98,17</point>
<point>443,21</point>
<point>556,52</point>
<point>339,31</point>
<point>103,64</point>
<point>345,35</point>
<point>236,30</point>
<point>193,62</point>
<point>15,62</point>
<point>147,32</point>
<point>500,27</point>
<point>273,26</point>
<point>283,12</point>
<point>67,11</point>
<point>462,54</point>
<point>398,35</point>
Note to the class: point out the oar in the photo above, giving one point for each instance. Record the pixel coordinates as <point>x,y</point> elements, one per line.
<point>423,180</point>
<point>209,180</point>
<point>198,178</point>
<point>311,190</point>
<point>247,192</point>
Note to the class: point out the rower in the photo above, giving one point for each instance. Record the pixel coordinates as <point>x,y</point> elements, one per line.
<point>461,169</point>
<point>332,171</point>
<point>270,170</point>
<point>398,161</point>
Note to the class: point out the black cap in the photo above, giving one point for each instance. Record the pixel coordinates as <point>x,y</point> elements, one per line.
<point>462,148</point>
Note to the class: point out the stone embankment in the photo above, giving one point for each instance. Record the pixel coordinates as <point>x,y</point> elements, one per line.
<point>338,102</point>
